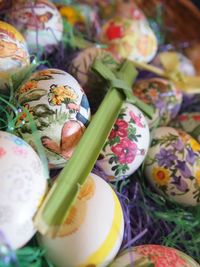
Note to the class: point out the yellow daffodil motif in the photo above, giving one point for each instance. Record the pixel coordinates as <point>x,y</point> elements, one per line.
<point>197,176</point>
<point>161,176</point>
<point>194,144</point>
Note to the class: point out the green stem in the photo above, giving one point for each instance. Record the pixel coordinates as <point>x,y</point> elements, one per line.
<point>64,192</point>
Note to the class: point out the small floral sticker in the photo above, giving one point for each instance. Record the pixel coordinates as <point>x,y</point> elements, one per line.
<point>2,152</point>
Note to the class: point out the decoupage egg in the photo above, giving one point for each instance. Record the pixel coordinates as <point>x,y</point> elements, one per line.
<point>127,144</point>
<point>39,21</point>
<point>189,122</point>
<point>81,68</point>
<point>59,108</point>
<point>81,16</point>
<point>162,94</point>
<point>14,56</point>
<point>23,185</point>
<point>93,231</point>
<point>153,255</point>
<point>129,39</point>
<point>172,165</point>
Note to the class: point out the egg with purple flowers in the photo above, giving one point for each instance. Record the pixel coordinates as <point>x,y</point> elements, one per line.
<point>172,165</point>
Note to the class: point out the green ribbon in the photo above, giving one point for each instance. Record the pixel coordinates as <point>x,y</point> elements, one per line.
<point>120,82</point>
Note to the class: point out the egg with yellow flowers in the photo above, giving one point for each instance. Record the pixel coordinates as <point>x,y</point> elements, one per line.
<point>93,231</point>
<point>14,56</point>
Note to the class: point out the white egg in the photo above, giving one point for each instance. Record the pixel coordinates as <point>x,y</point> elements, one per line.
<point>127,144</point>
<point>22,187</point>
<point>39,21</point>
<point>59,108</point>
<point>93,232</point>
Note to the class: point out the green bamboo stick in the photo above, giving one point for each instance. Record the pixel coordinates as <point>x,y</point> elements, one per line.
<point>62,195</point>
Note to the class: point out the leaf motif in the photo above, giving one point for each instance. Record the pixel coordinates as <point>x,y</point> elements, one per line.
<point>32,95</point>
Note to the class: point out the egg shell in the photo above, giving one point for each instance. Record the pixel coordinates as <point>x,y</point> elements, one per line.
<point>162,94</point>
<point>187,121</point>
<point>23,186</point>
<point>93,231</point>
<point>39,21</point>
<point>60,110</point>
<point>127,144</point>
<point>172,165</point>
<point>153,255</point>
<point>14,56</point>
<point>129,39</point>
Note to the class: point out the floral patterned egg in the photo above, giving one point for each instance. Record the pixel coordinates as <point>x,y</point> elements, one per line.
<point>14,56</point>
<point>93,232</point>
<point>39,21</point>
<point>153,256</point>
<point>59,108</point>
<point>129,39</point>
<point>82,17</point>
<point>162,94</point>
<point>23,185</point>
<point>127,144</point>
<point>172,165</point>
<point>189,122</point>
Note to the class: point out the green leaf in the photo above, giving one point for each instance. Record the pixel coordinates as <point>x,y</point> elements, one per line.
<point>63,193</point>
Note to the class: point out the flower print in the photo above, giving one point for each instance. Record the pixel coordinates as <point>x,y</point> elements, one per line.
<point>125,151</point>
<point>153,93</point>
<point>161,175</point>
<point>166,158</point>
<point>23,115</point>
<point>28,86</point>
<point>178,145</point>
<point>183,117</point>
<point>196,117</point>
<point>194,144</point>
<point>114,31</point>
<point>160,104</point>
<point>2,152</point>
<point>119,129</point>
<point>61,94</point>
<point>190,158</point>
<point>197,176</point>
<point>185,171</point>
<point>136,119</point>
<point>181,185</point>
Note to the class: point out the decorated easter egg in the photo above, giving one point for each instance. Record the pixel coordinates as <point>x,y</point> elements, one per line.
<point>39,21</point>
<point>60,110</point>
<point>14,56</point>
<point>129,39</point>
<point>127,144</point>
<point>162,94</point>
<point>23,185</point>
<point>82,17</point>
<point>172,165</point>
<point>153,255</point>
<point>189,122</point>
<point>93,231</point>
